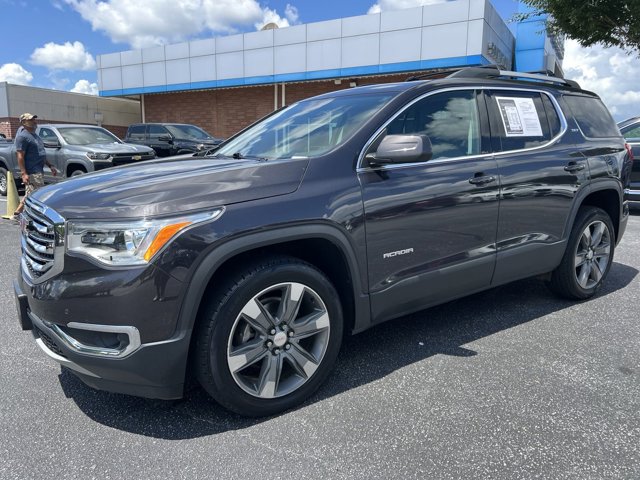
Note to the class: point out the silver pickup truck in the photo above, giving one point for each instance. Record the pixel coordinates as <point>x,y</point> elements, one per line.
<point>74,150</point>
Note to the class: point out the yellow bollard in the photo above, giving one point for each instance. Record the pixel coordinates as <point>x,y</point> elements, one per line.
<point>13,200</point>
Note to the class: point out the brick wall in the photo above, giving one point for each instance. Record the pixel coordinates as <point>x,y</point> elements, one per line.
<point>222,112</point>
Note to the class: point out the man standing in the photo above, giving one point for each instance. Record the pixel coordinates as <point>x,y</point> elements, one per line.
<point>31,157</point>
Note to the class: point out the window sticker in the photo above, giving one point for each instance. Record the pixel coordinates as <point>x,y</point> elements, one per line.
<point>519,117</point>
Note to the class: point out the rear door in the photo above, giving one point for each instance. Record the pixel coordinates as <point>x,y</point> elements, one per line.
<point>540,173</point>
<point>431,226</point>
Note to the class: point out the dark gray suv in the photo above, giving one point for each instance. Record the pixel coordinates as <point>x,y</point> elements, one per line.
<point>244,269</point>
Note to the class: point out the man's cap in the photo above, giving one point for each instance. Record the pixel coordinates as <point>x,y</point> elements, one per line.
<point>27,116</point>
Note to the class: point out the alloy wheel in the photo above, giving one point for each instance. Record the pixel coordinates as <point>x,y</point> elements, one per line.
<point>593,254</point>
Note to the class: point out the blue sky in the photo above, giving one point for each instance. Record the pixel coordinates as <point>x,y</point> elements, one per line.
<point>55,42</point>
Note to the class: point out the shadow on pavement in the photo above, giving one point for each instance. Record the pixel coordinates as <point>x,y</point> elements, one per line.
<point>364,358</point>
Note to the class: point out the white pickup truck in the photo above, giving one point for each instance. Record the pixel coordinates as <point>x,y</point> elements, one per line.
<point>74,150</point>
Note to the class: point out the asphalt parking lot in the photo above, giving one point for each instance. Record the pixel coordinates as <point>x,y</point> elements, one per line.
<point>510,383</point>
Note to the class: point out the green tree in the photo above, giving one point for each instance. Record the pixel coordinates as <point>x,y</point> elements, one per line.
<point>607,22</point>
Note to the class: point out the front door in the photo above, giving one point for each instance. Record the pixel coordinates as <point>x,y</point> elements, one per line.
<point>431,226</point>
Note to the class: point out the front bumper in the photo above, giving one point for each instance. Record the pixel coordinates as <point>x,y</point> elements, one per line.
<point>154,370</point>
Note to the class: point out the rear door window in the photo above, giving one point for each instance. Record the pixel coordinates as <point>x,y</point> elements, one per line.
<point>522,119</point>
<point>592,116</point>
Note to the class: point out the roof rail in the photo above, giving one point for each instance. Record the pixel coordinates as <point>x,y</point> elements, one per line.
<point>492,71</point>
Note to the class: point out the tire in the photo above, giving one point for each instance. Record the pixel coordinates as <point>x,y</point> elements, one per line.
<point>258,355</point>
<point>77,172</point>
<point>3,182</point>
<point>588,257</point>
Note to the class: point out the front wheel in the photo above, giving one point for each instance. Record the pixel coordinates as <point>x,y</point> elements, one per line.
<point>269,339</point>
<point>588,257</point>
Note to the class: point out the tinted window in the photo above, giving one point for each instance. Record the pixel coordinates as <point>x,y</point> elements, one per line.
<point>521,120</point>
<point>552,116</point>
<point>188,131</point>
<point>592,116</point>
<point>157,131</point>
<point>632,131</point>
<point>450,120</point>
<point>136,132</point>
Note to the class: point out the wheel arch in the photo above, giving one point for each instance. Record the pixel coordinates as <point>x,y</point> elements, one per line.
<point>604,195</point>
<point>325,247</point>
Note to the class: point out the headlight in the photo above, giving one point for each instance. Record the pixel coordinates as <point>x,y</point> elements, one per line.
<point>128,243</point>
<point>98,156</point>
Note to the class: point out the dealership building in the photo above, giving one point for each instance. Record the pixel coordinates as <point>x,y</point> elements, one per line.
<point>225,83</point>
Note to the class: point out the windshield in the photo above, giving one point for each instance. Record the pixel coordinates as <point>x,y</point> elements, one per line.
<point>306,129</point>
<point>188,131</point>
<point>87,135</point>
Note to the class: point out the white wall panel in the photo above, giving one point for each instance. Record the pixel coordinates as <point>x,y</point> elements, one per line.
<point>232,43</point>
<point>112,78</point>
<point>324,30</point>
<point>153,54</point>
<point>400,46</point>
<point>258,62</point>
<point>324,55</point>
<point>203,68</point>
<point>476,9</point>
<point>154,74</point>
<point>361,25</point>
<point>230,65</point>
<point>261,39</point>
<point>475,40</point>
<point>178,71</point>
<point>131,57</point>
<point>132,76</point>
<point>110,60</point>
<point>447,12</point>
<point>179,50</point>
<point>290,59</point>
<point>401,19</point>
<point>442,41</point>
<point>202,47</point>
<point>361,50</point>
<point>290,35</point>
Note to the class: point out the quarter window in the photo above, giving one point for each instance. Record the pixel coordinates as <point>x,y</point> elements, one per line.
<point>449,119</point>
<point>592,116</point>
<point>136,132</point>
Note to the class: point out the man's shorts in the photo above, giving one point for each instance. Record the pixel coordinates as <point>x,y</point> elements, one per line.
<point>36,181</point>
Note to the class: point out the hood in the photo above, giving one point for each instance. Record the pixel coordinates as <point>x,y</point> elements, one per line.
<point>172,186</point>
<point>126,148</point>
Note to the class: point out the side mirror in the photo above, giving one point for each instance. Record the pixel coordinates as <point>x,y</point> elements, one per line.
<point>53,143</point>
<point>402,149</point>
<point>165,138</point>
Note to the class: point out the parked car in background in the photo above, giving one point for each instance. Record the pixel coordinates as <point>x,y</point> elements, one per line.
<point>169,139</point>
<point>74,150</point>
<point>630,130</point>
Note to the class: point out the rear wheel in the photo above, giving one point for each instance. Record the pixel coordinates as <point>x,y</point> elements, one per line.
<point>3,181</point>
<point>588,257</point>
<point>270,338</point>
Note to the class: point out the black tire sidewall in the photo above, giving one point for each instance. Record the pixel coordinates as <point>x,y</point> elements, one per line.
<point>585,218</point>
<point>222,386</point>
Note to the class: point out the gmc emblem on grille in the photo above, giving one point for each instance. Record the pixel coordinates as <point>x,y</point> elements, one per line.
<point>137,157</point>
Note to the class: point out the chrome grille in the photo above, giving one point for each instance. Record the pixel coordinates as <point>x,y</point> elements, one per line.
<point>42,232</point>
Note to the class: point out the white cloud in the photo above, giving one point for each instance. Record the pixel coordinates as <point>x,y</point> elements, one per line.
<point>385,5</point>
<point>84,86</point>
<point>291,13</point>
<point>70,56</point>
<point>145,23</point>
<point>609,72</point>
<point>14,73</point>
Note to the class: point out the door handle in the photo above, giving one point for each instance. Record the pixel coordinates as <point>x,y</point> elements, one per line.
<point>480,179</point>
<point>574,167</point>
